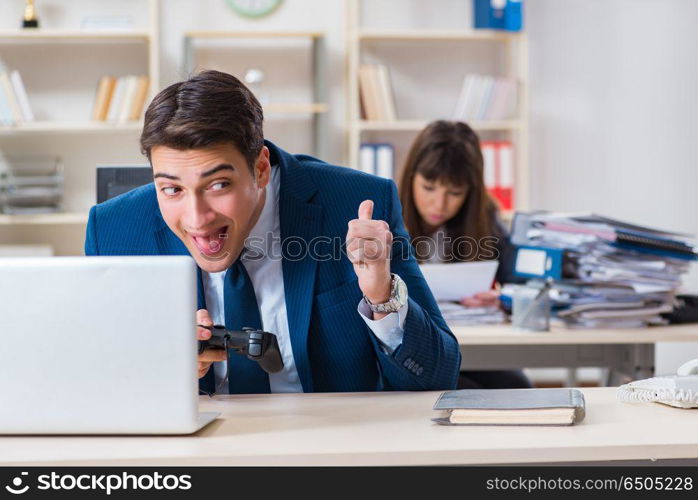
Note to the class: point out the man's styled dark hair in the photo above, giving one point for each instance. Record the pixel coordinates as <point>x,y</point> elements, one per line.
<point>209,108</point>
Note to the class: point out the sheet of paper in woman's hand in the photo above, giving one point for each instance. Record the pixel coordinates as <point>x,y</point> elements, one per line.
<point>460,279</point>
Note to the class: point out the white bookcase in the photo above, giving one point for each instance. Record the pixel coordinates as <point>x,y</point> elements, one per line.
<point>294,92</point>
<point>61,92</point>
<point>427,64</point>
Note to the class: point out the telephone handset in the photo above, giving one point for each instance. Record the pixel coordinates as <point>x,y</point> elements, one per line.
<point>680,390</point>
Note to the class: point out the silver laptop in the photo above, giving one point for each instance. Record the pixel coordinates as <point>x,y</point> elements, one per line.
<point>98,345</point>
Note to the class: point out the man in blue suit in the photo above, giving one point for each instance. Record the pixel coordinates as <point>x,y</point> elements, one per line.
<point>314,253</point>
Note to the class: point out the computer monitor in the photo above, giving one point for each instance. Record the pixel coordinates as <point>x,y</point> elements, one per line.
<point>114,180</point>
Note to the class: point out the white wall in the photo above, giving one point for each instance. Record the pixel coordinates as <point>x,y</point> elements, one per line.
<point>614,115</point>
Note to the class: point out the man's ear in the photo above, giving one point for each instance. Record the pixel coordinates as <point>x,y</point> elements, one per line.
<point>262,168</point>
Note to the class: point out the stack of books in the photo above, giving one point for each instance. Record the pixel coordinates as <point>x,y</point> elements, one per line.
<point>612,274</point>
<point>31,185</point>
<point>120,100</point>
<point>485,98</point>
<point>455,313</point>
<point>14,103</point>
<point>377,100</point>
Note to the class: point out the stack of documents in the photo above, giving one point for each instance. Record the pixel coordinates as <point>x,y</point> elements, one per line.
<point>613,274</point>
<point>456,313</point>
<point>450,283</point>
<point>31,185</point>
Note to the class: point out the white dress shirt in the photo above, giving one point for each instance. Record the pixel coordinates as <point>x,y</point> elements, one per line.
<point>267,278</point>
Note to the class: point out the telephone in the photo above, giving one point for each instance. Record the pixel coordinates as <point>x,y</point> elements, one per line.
<point>680,390</point>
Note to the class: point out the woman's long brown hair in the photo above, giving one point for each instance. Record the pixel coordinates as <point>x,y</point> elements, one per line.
<point>449,153</point>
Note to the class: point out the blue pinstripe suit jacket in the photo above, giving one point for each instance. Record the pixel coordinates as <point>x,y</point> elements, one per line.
<point>333,348</point>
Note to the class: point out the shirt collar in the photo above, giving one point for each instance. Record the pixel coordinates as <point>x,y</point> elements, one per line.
<point>267,224</point>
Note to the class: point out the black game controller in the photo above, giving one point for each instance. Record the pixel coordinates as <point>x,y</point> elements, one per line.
<point>257,345</point>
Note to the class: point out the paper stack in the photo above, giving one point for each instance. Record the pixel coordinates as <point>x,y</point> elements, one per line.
<point>31,185</point>
<point>613,274</point>
<point>455,313</point>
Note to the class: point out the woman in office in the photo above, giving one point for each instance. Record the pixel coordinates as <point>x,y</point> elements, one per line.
<point>451,218</point>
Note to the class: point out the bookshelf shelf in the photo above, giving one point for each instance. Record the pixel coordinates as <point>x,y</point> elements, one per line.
<point>48,127</point>
<point>253,34</point>
<point>74,35</point>
<point>437,35</point>
<point>43,219</point>
<point>292,108</point>
<point>417,125</point>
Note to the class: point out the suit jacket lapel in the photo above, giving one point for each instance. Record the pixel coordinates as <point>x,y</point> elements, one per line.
<point>300,222</point>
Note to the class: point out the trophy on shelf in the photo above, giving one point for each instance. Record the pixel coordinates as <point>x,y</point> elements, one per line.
<point>30,20</point>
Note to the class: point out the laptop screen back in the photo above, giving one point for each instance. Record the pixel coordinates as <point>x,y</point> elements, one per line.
<point>97,344</point>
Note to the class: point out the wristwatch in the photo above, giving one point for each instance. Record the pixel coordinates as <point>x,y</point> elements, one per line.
<point>398,297</point>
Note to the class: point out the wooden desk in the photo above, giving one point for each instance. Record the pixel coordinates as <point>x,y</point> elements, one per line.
<point>375,429</point>
<point>627,352</point>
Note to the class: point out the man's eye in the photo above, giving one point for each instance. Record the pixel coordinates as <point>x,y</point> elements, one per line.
<point>170,191</point>
<point>219,185</point>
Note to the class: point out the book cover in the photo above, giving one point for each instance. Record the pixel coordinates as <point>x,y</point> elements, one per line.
<point>375,85</point>
<point>368,99</point>
<point>385,155</point>
<point>506,175</point>
<point>102,97</point>
<point>511,407</point>
<point>485,98</point>
<point>140,97</point>
<point>128,99</point>
<point>367,158</point>
<point>459,110</point>
<point>387,98</point>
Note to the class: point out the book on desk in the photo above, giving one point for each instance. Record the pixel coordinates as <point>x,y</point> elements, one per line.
<point>511,407</point>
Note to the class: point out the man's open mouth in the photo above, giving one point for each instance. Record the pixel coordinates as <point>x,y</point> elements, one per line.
<point>212,243</point>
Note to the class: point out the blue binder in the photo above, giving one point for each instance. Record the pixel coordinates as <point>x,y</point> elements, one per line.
<point>539,262</point>
<point>498,14</point>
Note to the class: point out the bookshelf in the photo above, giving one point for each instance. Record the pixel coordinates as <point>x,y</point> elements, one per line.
<point>64,218</point>
<point>503,54</point>
<point>276,109</point>
<point>86,36</point>
<point>61,127</point>
<point>60,63</point>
